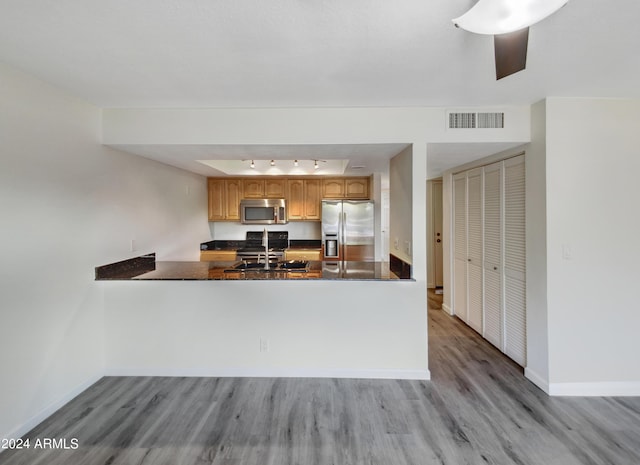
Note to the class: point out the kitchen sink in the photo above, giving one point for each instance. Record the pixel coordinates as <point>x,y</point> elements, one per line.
<point>291,265</point>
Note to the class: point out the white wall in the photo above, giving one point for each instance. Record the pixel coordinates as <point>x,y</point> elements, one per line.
<point>582,316</point>
<point>537,369</point>
<point>69,204</point>
<point>401,205</point>
<point>592,166</point>
<point>222,230</point>
<point>313,328</point>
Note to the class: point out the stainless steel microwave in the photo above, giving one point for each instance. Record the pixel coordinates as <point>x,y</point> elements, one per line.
<point>263,211</point>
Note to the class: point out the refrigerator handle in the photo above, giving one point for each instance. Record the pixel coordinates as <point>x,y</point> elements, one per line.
<point>344,235</point>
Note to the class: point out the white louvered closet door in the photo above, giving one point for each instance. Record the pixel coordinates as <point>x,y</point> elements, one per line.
<point>474,249</point>
<point>492,289</point>
<point>460,246</point>
<point>515,338</point>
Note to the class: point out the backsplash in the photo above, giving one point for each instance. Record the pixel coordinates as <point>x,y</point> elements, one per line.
<point>236,232</point>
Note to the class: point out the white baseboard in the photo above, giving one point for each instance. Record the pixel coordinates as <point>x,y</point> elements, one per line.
<point>45,413</point>
<point>447,309</point>
<point>536,379</point>
<point>273,373</point>
<point>603,389</point>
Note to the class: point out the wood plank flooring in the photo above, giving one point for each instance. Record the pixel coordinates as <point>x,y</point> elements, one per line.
<point>477,409</point>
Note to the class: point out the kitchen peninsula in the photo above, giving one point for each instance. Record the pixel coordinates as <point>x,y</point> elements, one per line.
<point>146,268</point>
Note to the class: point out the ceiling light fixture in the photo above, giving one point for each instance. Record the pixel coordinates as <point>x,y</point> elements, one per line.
<point>504,16</point>
<point>273,163</point>
<point>508,21</point>
<point>295,162</point>
<point>253,165</point>
<point>315,164</point>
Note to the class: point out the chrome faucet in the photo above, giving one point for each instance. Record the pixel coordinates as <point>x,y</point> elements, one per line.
<point>265,243</point>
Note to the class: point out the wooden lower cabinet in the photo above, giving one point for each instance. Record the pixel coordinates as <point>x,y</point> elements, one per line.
<point>303,254</point>
<point>217,255</point>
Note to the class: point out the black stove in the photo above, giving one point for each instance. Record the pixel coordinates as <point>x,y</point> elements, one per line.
<point>253,248</point>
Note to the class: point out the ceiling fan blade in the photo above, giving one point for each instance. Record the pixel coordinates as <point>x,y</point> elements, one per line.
<point>511,52</point>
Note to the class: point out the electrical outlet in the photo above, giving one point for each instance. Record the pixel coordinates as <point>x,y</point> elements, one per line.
<point>396,243</point>
<point>133,245</point>
<point>566,252</point>
<point>264,345</point>
<point>407,247</point>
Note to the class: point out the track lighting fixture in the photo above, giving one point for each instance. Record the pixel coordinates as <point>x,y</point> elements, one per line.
<point>253,165</point>
<point>295,162</point>
<point>273,163</point>
<point>315,164</point>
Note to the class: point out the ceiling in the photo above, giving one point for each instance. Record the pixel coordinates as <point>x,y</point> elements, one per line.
<point>311,53</point>
<point>355,159</point>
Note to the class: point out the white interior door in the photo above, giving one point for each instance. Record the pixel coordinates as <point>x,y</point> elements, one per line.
<point>437,226</point>
<point>474,249</point>
<point>493,274</point>
<point>459,294</point>
<point>515,338</point>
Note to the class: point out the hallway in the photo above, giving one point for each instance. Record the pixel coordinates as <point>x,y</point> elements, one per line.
<point>495,408</point>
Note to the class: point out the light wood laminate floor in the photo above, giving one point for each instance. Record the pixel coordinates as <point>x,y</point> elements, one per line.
<point>477,409</point>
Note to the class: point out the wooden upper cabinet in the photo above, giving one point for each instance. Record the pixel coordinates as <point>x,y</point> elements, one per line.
<point>356,188</point>
<point>216,189</point>
<point>275,188</point>
<point>345,188</point>
<point>312,199</point>
<point>303,199</point>
<point>234,194</point>
<point>295,199</point>
<point>253,188</point>
<point>333,188</point>
<point>224,199</point>
<point>264,188</point>
<point>304,194</point>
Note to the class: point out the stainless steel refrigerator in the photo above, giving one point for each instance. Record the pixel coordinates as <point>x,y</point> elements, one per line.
<point>348,230</point>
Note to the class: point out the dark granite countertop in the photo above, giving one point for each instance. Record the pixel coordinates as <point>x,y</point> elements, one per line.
<point>200,271</point>
<point>235,245</point>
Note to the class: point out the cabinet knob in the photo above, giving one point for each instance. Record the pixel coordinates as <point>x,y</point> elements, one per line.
<point>495,268</point>
<point>468,259</point>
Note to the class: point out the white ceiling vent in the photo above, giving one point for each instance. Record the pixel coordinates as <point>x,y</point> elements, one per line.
<point>476,120</point>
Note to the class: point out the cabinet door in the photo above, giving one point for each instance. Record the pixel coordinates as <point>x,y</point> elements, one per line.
<point>492,237</point>
<point>274,188</point>
<point>295,199</point>
<point>233,189</point>
<point>474,249</point>
<point>312,200</point>
<point>253,188</point>
<point>303,254</point>
<point>460,246</point>
<point>356,188</point>
<point>216,194</point>
<point>333,188</point>
<point>515,260</point>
